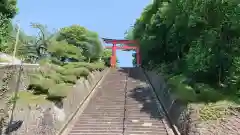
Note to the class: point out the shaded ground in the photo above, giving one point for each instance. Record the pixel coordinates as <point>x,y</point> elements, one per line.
<point>212,107</point>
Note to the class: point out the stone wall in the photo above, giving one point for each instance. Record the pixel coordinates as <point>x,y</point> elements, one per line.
<point>14,71</point>
<point>182,116</point>
<point>46,118</point>
<point>10,73</point>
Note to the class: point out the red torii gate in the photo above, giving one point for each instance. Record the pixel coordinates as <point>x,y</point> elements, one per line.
<point>125,46</point>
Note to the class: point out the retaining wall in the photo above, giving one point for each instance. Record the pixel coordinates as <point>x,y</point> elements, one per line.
<point>183,116</point>
<point>47,118</point>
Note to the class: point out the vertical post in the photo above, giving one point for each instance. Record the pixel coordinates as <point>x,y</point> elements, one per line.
<point>113,58</point>
<point>16,43</point>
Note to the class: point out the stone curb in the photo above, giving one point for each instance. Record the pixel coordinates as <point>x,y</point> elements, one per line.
<point>65,126</point>
<point>171,129</point>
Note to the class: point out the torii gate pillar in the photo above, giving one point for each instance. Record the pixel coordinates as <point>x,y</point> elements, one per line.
<point>114,57</point>
<point>114,47</point>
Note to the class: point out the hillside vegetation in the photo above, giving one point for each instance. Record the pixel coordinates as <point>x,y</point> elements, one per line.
<point>195,44</point>
<point>64,55</point>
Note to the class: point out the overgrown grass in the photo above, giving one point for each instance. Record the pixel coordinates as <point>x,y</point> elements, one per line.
<point>4,60</point>
<point>26,97</point>
<point>213,103</point>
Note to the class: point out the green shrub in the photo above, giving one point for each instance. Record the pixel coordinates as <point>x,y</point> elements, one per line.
<point>35,79</point>
<point>207,93</point>
<point>56,68</point>
<point>98,66</point>
<point>69,79</point>
<point>71,65</point>
<point>4,60</point>
<point>41,86</point>
<point>59,90</point>
<point>44,61</point>
<point>55,81</point>
<point>90,66</point>
<point>54,76</point>
<point>181,90</point>
<point>84,72</point>
<point>78,72</point>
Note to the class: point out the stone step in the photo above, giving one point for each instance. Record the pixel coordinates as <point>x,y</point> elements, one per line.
<point>107,113</point>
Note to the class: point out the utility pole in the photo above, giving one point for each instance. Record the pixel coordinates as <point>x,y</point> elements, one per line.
<point>16,42</point>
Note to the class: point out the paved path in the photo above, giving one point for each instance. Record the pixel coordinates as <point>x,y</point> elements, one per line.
<point>122,105</point>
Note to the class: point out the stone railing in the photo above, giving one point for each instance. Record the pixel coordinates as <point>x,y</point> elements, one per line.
<point>46,118</point>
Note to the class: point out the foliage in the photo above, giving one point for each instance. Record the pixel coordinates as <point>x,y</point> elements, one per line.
<point>8,10</point>
<point>54,51</point>
<point>82,38</point>
<point>62,52</point>
<point>90,66</point>
<point>106,56</point>
<point>62,63</point>
<point>30,48</point>
<point>55,81</point>
<point>195,41</point>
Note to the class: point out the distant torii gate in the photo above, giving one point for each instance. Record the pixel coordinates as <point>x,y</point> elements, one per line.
<point>125,46</point>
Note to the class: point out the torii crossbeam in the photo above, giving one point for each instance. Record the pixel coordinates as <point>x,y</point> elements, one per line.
<point>125,46</point>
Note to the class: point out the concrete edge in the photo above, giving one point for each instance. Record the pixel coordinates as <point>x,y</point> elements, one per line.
<point>172,129</point>
<point>72,119</point>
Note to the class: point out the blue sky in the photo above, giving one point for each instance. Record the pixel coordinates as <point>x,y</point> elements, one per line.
<point>110,18</point>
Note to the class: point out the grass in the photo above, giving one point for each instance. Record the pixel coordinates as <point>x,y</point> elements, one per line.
<point>26,97</point>
<point>212,103</point>
<point>4,60</point>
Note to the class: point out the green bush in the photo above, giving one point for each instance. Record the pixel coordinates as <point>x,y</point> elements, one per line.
<point>44,61</point>
<point>199,93</point>
<point>78,72</point>
<point>54,76</point>
<point>55,81</point>
<point>59,90</point>
<point>35,77</point>
<point>84,72</point>
<point>69,79</point>
<point>98,66</point>
<point>47,83</point>
<point>41,86</point>
<point>90,66</point>
<point>71,65</point>
<point>4,60</point>
<point>181,90</point>
<point>207,93</point>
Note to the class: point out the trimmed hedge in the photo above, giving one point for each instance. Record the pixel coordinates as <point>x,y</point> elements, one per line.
<point>56,81</point>
<point>90,66</point>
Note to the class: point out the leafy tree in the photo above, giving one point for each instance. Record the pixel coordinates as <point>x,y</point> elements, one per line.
<point>84,39</point>
<point>62,52</point>
<point>106,56</point>
<point>8,10</point>
<point>93,48</point>
<point>197,38</point>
